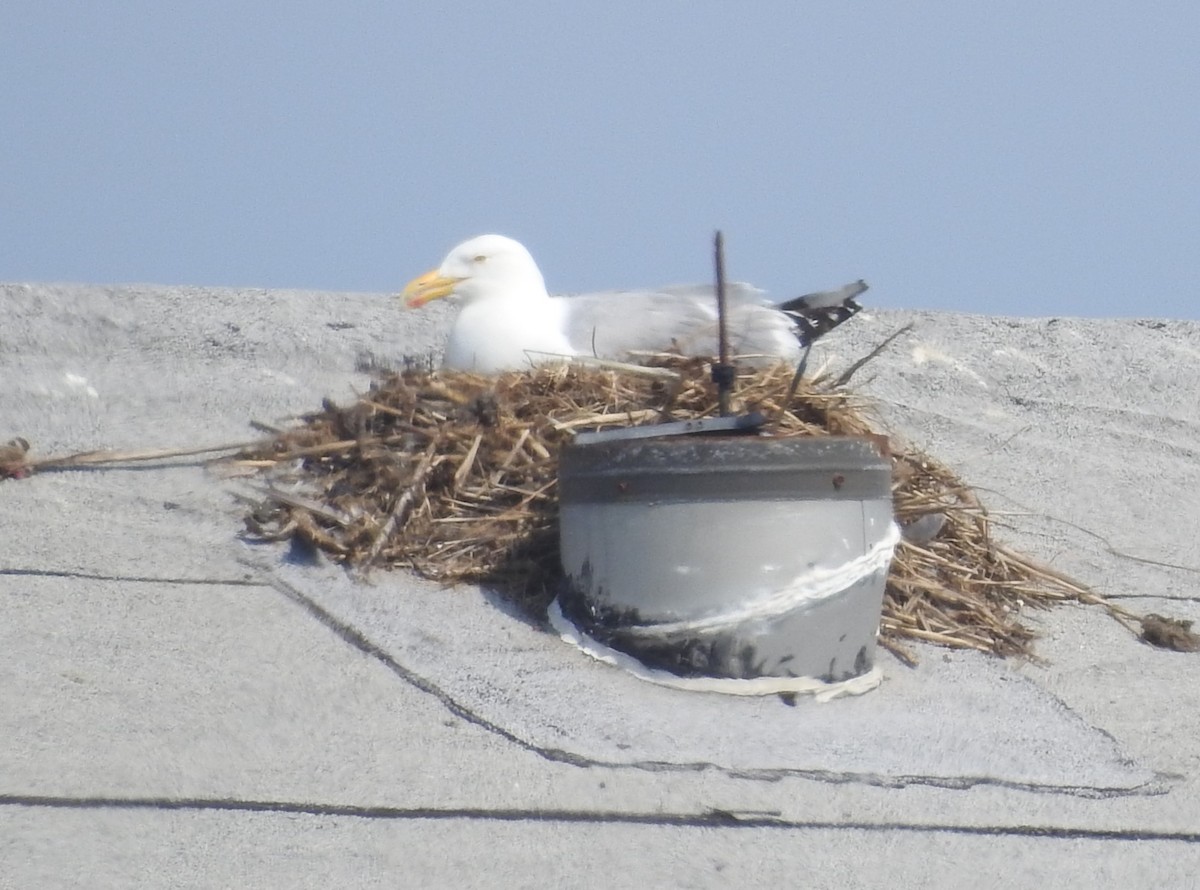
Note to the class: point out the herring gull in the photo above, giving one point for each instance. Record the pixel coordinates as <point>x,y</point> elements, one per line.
<point>508,320</point>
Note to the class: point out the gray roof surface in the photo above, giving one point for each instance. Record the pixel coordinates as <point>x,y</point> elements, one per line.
<point>179,708</point>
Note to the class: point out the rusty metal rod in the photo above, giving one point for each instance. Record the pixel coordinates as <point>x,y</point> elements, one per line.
<point>722,373</point>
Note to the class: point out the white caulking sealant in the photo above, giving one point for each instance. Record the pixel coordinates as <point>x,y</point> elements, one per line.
<point>821,690</point>
<point>809,588</point>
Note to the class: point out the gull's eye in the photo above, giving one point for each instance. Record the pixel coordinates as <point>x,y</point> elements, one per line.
<point>481,258</point>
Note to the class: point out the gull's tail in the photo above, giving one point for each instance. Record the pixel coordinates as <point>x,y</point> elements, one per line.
<point>818,314</point>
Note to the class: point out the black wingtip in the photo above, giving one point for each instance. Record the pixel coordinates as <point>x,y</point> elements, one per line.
<point>817,314</point>
<point>816,323</point>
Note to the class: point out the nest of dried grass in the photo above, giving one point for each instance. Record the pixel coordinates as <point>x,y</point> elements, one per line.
<point>453,475</point>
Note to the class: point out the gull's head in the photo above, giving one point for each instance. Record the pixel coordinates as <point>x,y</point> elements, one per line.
<point>483,267</point>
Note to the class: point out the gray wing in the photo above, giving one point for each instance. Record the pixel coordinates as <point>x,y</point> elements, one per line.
<point>827,298</point>
<point>613,324</point>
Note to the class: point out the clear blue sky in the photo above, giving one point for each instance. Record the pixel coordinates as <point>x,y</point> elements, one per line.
<point>1029,158</point>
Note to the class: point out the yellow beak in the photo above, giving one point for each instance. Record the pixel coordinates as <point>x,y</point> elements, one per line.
<point>430,286</point>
